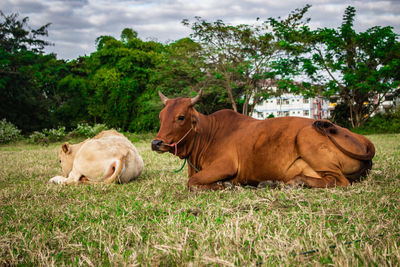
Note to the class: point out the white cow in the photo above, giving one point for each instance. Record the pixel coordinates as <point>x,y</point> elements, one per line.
<point>106,158</point>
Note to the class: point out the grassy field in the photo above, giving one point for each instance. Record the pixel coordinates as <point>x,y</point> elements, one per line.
<point>156,221</point>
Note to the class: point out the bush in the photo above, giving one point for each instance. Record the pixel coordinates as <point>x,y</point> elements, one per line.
<point>388,122</point>
<point>8,132</point>
<point>54,135</point>
<point>85,130</point>
<point>38,138</point>
<point>47,136</point>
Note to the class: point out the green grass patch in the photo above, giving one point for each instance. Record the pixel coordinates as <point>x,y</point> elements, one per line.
<point>155,221</point>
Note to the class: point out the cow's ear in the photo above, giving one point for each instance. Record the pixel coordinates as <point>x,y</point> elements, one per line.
<point>195,122</point>
<point>66,148</point>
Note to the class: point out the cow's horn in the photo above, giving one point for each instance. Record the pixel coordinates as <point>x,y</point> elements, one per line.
<point>196,98</point>
<point>163,97</point>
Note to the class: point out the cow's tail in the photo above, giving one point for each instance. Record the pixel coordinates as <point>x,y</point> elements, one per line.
<point>330,130</point>
<point>114,171</point>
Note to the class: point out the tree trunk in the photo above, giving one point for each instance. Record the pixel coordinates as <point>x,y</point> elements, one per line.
<point>351,115</point>
<point>230,94</point>
<point>357,119</point>
<point>245,110</point>
<point>255,102</point>
<point>357,111</point>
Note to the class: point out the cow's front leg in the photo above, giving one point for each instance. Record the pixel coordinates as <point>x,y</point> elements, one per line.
<point>73,178</point>
<point>57,180</point>
<point>209,177</point>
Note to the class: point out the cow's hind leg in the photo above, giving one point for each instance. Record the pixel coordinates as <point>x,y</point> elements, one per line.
<point>328,179</point>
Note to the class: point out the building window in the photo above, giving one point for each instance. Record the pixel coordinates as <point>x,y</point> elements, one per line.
<point>278,101</point>
<point>286,113</point>
<point>306,113</point>
<point>306,101</point>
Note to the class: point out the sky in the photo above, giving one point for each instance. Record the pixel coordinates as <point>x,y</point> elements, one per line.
<point>75,24</point>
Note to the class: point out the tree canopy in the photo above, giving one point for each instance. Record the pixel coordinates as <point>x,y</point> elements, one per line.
<point>27,77</point>
<point>358,69</point>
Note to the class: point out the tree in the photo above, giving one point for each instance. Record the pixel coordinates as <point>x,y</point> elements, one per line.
<point>183,71</point>
<point>359,68</point>
<point>119,73</point>
<point>15,37</point>
<point>241,56</point>
<point>235,54</point>
<point>128,34</point>
<point>72,97</point>
<point>27,85</point>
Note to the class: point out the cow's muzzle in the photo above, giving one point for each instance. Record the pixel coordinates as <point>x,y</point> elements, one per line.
<point>156,145</point>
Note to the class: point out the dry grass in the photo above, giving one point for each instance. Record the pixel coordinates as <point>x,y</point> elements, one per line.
<point>156,221</point>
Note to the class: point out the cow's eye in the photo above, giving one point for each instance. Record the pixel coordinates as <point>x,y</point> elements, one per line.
<point>181,118</point>
<point>59,161</point>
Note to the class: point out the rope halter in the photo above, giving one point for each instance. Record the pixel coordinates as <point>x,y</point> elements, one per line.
<point>175,145</point>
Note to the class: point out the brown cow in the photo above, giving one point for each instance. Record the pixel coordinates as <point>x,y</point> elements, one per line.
<point>227,146</point>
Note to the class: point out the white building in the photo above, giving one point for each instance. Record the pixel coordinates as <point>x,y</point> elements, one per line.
<point>390,102</point>
<point>293,105</point>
